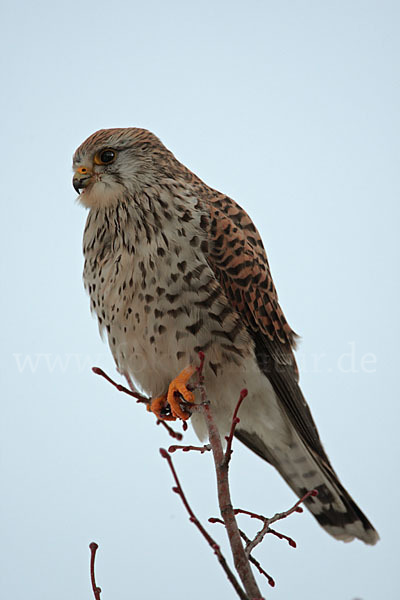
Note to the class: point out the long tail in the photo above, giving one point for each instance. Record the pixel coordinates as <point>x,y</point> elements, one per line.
<point>303,470</point>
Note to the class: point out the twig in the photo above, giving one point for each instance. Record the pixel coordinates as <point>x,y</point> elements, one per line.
<point>129,380</point>
<point>241,555</point>
<point>224,499</point>
<point>175,434</point>
<point>255,562</point>
<point>193,519</point>
<point>271,580</point>
<point>235,421</point>
<point>96,590</point>
<point>121,388</point>
<point>295,508</point>
<point>277,517</point>
<point>251,558</point>
<point>139,398</point>
<point>200,449</point>
<point>200,368</point>
<point>221,462</point>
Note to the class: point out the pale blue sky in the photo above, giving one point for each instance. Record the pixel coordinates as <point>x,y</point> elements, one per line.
<point>292,108</point>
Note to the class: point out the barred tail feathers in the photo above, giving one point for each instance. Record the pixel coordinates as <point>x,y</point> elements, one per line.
<point>333,507</point>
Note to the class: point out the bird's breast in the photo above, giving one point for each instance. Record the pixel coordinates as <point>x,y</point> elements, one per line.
<point>159,306</point>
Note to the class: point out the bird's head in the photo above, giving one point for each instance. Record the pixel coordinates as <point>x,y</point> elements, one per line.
<point>116,163</point>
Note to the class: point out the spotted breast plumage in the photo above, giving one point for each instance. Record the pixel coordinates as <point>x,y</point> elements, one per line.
<point>173,267</point>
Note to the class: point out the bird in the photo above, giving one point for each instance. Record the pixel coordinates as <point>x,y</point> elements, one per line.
<point>174,268</point>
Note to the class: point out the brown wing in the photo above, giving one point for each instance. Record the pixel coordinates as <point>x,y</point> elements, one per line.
<point>241,262</point>
<point>238,259</point>
<point>237,256</point>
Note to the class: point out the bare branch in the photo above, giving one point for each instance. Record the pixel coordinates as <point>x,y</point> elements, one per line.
<point>277,517</point>
<point>295,508</point>
<point>241,554</point>
<point>239,557</point>
<point>200,368</point>
<point>96,590</point>
<point>271,580</point>
<point>193,519</point>
<point>200,449</point>
<point>235,421</point>
<point>121,388</point>
<point>174,434</point>
<point>253,560</point>
<point>139,398</point>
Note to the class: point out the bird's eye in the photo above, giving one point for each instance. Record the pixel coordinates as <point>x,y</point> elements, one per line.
<point>105,157</point>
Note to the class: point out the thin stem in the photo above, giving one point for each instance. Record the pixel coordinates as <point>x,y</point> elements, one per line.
<point>235,421</point>
<point>277,517</point>
<point>139,398</point>
<point>251,558</point>
<point>193,519</point>
<point>121,388</point>
<point>96,590</point>
<point>200,449</point>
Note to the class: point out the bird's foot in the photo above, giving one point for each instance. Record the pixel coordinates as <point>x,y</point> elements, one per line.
<point>160,407</point>
<point>168,406</point>
<point>177,388</point>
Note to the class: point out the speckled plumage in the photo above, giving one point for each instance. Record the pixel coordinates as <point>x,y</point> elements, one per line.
<point>173,267</point>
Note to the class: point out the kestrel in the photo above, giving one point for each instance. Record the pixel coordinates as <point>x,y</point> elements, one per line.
<point>173,267</point>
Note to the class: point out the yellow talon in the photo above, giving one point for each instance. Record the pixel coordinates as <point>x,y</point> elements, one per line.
<point>177,386</point>
<point>158,406</point>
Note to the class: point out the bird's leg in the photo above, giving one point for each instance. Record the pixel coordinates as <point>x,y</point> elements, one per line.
<point>172,400</point>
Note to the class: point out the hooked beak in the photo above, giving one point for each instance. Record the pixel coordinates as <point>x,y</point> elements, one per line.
<point>82,178</point>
